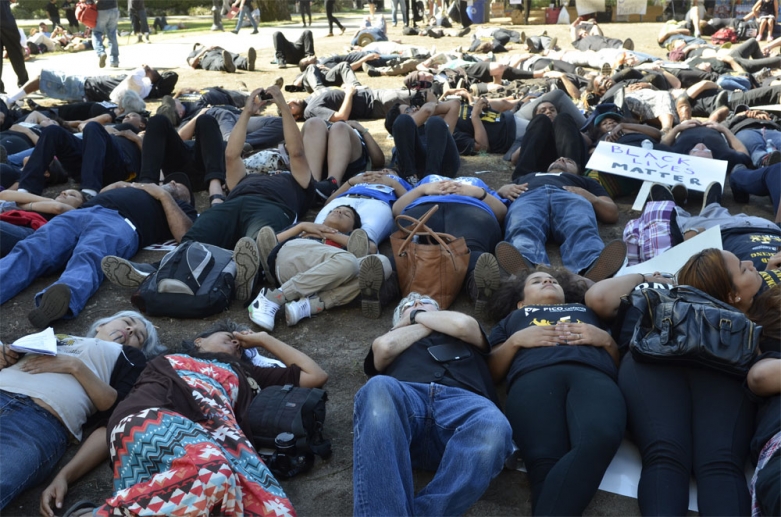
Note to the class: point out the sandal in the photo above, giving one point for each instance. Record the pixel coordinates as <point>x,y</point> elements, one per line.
<point>74,510</point>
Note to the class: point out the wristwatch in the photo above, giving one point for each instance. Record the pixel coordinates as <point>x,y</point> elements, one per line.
<point>413,315</point>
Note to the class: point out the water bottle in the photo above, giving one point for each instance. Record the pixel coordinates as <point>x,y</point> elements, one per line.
<point>769,145</point>
<point>647,144</point>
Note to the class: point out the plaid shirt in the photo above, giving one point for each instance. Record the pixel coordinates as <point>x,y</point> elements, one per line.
<point>649,235</point>
<point>768,451</point>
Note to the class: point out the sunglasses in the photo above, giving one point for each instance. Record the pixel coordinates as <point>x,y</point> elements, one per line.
<point>422,85</point>
<point>425,301</point>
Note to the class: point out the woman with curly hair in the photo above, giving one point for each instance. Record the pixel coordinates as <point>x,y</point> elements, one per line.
<point>563,403</point>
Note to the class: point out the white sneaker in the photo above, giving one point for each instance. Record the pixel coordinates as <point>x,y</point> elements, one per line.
<point>263,310</point>
<point>296,311</point>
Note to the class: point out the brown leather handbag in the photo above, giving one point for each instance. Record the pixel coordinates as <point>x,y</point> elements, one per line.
<point>434,264</point>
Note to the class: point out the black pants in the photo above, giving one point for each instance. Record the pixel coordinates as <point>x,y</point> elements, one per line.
<point>96,160</point>
<point>688,421</point>
<point>139,21</point>
<point>768,487</point>
<point>262,132</point>
<point>306,9</point>
<point>217,13</point>
<point>568,421</point>
<point>293,52</point>
<point>215,61</point>
<point>462,11</point>
<point>596,42</point>
<point>341,74</point>
<point>434,152</point>
<point>329,12</point>
<point>202,160</point>
<point>546,141</point>
<point>73,22</point>
<point>749,56</point>
<point>9,39</point>
<point>480,229</point>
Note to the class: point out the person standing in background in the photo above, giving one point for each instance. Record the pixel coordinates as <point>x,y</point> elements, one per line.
<point>54,13</point>
<point>137,11</point>
<point>217,6</point>
<point>108,17</point>
<point>245,9</point>
<point>10,40</point>
<point>305,6</point>
<point>329,12</point>
<point>69,6</point>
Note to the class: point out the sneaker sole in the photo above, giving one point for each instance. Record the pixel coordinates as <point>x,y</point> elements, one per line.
<point>54,305</point>
<point>266,241</point>
<point>228,62</point>
<point>247,259</point>
<point>487,279</point>
<point>251,56</point>
<point>358,243</point>
<point>120,273</point>
<point>609,261</point>
<point>102,61</point>
<point>370,277</point>
<point>510,259</point>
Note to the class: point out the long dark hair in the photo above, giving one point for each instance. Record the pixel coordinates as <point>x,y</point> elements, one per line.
<point>512,290</point>
<point>224,325</point>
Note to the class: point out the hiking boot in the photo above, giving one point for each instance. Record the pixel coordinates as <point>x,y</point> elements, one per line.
<point>608,262</point>
<point>511,260</point>
<point>228,62</point>
<point>712,194</point>
<point>487,280</point>
<point>661,192</point>
<point>358,243</point>
<point>124,273</point>
<point>247,259</point>
<point>251,56</point>
<point>371,277</point>
<point>53,306</point>
<point>770,159</point>
<point>303,308</point>
<point>325,188</point>
<point>266,241</point>
<point>629,44</point>
<point>263,310</point>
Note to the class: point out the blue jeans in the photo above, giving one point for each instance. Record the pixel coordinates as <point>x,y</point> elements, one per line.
<point>377,33</point>
<point>10,234</point>
<point>399,426</point>
<point>432,152</point>
<point>549,211</point>
<point>78,240</point>
<point>765,181</point>
<point>734,82</point>
<point>756,144</point>
<point>18,158</point>
<point>240,21</point>
<point>31,444</point>
<point>107,26</point>
<point>399,5</point>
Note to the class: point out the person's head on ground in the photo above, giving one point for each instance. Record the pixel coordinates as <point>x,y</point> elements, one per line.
<point>413,301</point>
<point>701,150</point>
<point>135,120</point>
<point>297,107</point>
<point>722,275</point>
<point>564,165</point>
<point>605,123</point>
<point>419,80</point>
<point>546,108</point>
<point>71,197</point>
<point>306,61</point>
<point>131,101</point>
<point>394,112</point>
<point>218,338</point>
<point>540,286</point>
<point>600,84</point>
<point>343,218</point>
<point>180,187</point>
<point>128,328</point>
<point>151,73</point>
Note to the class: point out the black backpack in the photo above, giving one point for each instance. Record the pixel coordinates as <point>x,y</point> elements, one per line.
<point>193,281</point>
<point>288,423</point>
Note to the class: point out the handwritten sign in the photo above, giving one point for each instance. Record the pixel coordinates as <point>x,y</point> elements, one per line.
<point>590,6</point>
<point>657,166</point>
<point>624,7</point>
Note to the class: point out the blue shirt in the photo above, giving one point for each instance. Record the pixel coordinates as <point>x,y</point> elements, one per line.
<point>454,198</point>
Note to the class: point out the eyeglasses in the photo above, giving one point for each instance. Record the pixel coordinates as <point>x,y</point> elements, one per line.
<point>424,301</point>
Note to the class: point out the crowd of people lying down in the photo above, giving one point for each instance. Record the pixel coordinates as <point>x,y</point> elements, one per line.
<point>304,199</point>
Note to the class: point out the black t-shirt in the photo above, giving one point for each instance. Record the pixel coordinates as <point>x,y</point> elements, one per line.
<point>332,61</point>
<point>754,244</point>
<point>281,188</point>
<point>529,359</point>
<point>561,180</point>
<point>500,128</point>
<point>107,4</point>
<point>84,111</point>
<point>770,279</point>
<point>417,364</point>
<point>212,96</point>
<point>145,212</point>
<point>324,103</point>
<point>15,142</point>
<point>768,421</point>
<point>719,147</point>
<point>99,88</point>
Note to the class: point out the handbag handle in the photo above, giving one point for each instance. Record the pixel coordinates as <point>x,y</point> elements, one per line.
<point>421,229</point>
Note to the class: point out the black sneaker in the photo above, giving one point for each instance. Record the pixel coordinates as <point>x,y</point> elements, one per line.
<point>325,188</point>
<point>292,88</point>
<point>487,280</point>
<point>373,72</point>
<point>125,273</point>
<point>739,195</point>
<point>511,260</point>
<point>53,306</point>
<point>608,262</point>
<point>251,56</point>
<point>712,194</point>
<point>680,194</point>
<point>661,192</point>
<point>228,62</point>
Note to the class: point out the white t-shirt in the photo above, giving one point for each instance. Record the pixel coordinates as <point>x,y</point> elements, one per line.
<point>136,81</point>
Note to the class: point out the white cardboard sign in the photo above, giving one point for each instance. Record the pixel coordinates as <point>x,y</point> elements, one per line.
<point>657,166</point>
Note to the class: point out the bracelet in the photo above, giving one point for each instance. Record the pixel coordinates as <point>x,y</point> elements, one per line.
<point>644,279</point>
<point>348,182</point>
<point>695,230</point>
<point>216,196</point>
<point>31,206</point>
<point>485,193</point>
<point>413,315</point>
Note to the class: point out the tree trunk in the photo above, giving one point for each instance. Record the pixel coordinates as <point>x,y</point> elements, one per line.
<point>274,10</point>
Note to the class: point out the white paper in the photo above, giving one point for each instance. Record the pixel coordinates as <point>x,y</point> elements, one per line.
<point>673,259</point>
<point>43,343</point>
<point>625,7</point>
<point>590,6</point>
<point>657,166</point>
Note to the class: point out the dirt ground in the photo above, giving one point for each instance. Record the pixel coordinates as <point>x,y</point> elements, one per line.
<point>339,338</point>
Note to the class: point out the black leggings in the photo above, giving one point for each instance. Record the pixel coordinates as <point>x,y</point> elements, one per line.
<point>546,141</point>
<point>568,421</point>
<point>688,421</point>
<point>480,229</point>
<point>329,12</point>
